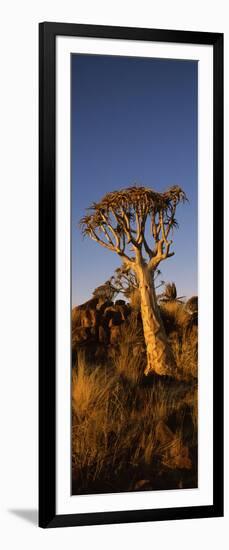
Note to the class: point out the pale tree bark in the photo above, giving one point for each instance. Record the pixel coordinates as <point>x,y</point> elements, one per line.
<point>160,358</point>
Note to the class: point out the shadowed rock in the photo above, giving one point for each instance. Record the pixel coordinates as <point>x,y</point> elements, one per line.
<point>83,334</point>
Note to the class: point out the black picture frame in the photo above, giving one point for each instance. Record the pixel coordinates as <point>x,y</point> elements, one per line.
<point>47,274</point>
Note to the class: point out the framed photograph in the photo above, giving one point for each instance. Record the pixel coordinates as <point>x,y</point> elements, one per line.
<point>131,275</point>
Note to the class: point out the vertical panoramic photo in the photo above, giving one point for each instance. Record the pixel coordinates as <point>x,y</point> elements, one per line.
<point>134,274</point>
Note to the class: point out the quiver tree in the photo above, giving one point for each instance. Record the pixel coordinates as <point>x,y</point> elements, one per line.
<point>137,223</point>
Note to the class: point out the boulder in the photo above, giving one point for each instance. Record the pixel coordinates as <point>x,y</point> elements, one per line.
<point>83,334</point>
<point>90,304</point>
<point>120,303</point>
<point>101,306</point>
<point>76,317</point>
<point>124,310</point>
<point>85,315</point>
<point>115,320</point>
<point>89,318</point>
<point>111,313</point>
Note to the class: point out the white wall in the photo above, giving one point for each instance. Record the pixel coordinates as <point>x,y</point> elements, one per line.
<point>18,266</point>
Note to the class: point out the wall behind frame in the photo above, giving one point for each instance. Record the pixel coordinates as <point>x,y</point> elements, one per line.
<point>18,274</point>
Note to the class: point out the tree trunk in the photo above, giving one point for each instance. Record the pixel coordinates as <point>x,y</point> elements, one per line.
<point>160,358</point>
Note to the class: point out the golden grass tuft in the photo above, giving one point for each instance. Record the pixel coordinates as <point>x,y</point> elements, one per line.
<point>182,332</point>
<point>129,359</point>
<point>89,387</point>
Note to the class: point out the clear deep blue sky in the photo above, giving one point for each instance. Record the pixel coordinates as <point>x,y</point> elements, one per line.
<point>134,121</point>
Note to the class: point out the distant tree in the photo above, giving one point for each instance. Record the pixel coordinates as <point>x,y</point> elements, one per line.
<point>125,281</point>
<point>105,291</point>
<point>119,223</point>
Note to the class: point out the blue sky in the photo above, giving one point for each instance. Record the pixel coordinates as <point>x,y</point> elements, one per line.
<point>134,121</point>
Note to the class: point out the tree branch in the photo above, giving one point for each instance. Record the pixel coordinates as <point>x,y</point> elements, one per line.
<point>162,226</point>
<point>126,259</point>
<point>112,230</point>
<point>95,237</point>
<point>139,228</point>
<point>127,228</point>
<point>154,262</point>
<point>103,228</point>
<point>147,248</point>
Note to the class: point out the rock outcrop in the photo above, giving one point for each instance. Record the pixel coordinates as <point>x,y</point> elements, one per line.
<point>97,321</point>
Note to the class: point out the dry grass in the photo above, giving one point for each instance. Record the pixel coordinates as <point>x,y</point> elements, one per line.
<point>183,337</point>
<point>129,359</point>
<point>120,433</point>
<point>89,388</point>
<point>173,312</point>
<point>114,428</point>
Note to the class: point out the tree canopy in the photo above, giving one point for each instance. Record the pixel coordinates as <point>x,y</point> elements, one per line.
<point>118,222</point>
